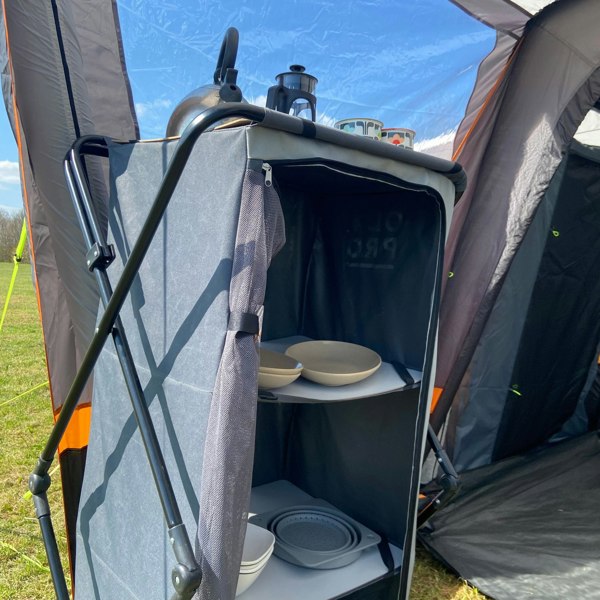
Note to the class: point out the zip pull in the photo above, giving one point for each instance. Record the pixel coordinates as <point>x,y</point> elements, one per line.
<point>268,169</point>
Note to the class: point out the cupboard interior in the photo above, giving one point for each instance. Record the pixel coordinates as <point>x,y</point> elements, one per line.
<point>359,265</point>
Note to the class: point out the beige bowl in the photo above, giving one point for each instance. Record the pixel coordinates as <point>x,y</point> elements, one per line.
<point>278,363</point>
<point>335,363</point>
<point>267,381</point>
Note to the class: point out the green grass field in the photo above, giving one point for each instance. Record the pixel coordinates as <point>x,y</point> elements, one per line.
<point>24,426</point>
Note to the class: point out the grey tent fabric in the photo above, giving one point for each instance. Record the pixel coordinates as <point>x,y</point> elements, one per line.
<point>536,303</point>
<point>54,67</point>
<point>543,101</point>
<point>54,63</point>
<point>519,325</point>
<point>6,75</point>
<point>477,410</point>
<point>502,15</point>
<point>227,469</point>
<point>474,134</point>
<point>525,528</point>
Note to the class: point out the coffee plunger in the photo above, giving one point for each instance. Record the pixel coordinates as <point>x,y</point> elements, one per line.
<point>295,93</point>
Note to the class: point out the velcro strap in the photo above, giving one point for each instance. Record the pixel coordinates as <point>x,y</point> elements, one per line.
<point>386,554</point>
<point>244,322</point>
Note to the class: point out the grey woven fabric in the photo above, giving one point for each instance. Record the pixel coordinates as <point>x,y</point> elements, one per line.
<point>175,319</point>
<point>229,447</point>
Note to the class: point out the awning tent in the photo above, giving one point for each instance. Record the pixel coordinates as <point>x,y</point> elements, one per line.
<point>519,339</point>
<point>64,76</point>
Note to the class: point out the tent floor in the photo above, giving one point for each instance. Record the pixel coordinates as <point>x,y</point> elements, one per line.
<point>526,527</point>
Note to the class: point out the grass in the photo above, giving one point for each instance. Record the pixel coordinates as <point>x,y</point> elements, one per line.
<point>24,426</point>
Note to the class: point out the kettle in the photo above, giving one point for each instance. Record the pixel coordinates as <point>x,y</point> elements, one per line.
<point>223,89</point>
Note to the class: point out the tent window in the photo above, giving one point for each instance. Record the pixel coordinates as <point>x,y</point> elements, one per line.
<point>588,132</point>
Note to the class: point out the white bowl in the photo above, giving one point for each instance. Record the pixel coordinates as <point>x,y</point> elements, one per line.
<point>258,544</point>
<point>258,547</point>
<point>335,363</point>
<point>247,578</point>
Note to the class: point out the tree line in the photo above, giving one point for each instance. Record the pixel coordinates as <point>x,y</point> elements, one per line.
<point>10,232</point>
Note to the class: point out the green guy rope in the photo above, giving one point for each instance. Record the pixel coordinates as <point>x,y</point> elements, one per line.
<point>16,259</point>
<point>32,560</point>
<point>37,387</point>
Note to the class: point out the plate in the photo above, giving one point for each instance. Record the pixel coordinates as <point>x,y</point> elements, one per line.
<point>278,363</point>
<point>334,363</point>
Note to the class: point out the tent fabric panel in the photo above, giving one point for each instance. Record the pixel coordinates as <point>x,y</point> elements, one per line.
<point>585,416</point>
<point>77,432</point>
<point>72,467</point>
<point>472,139</point>
<point>52,99</point>
<point>562,330</point>
<point>503,16</point>
<point>100,46</point>
<point>525,527</point>
<point>592,402</point>
<point>55,236</point>
<point>543,104</point>
<point>175,319</point>
<point>6,75</point>
<point>481,398</point>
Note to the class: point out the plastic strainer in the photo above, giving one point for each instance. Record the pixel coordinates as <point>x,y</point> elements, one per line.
<point>316,535</point>
<point>314,530</point>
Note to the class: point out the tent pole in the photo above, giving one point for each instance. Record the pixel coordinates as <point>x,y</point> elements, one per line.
<point>449,481</point>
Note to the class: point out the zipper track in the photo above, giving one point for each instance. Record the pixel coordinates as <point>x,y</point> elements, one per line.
<point>361,174</point>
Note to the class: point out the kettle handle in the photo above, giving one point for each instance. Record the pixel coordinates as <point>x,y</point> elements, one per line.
<point>227,55</point>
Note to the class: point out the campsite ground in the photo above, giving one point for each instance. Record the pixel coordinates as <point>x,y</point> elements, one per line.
<point>24,425</point>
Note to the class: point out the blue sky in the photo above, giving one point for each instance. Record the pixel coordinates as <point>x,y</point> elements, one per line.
<point>409,63</point>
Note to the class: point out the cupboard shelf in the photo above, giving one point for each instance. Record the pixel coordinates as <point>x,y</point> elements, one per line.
<point>385,380</point>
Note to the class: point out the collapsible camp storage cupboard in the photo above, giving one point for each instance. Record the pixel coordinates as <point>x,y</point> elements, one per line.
<point>308,233</point>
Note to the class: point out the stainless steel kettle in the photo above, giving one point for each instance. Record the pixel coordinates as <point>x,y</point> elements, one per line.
<point>223,89</point>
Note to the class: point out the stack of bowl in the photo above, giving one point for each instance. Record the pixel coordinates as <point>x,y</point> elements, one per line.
<point>277,370</point>
<point>258,547</point>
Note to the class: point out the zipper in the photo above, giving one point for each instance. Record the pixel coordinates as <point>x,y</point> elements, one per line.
<point>359,173</point>
<point>353,171</point>
<point>266,167</point>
